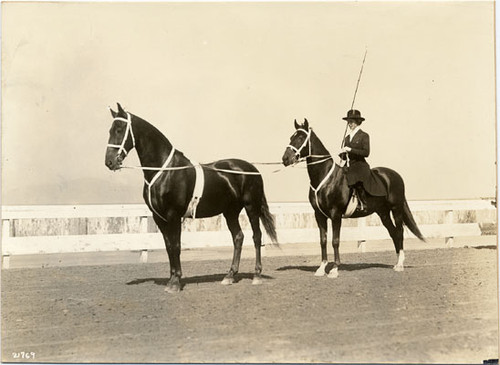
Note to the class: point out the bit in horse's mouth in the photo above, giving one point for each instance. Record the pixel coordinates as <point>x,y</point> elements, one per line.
<point>117,166</point>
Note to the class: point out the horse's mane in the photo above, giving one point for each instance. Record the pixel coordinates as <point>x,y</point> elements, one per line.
<point>320,143</point>
<point>150,130</point>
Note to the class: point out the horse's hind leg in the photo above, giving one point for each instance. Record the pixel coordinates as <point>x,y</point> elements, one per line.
<point>235,229</point>
<point>254,219</point>
<point>399,238</point>
<point>396,233</point>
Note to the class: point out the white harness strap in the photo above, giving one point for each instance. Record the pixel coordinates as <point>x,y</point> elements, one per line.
<point>157,175</point>
<point>320,185</point>
<point>197,192</point>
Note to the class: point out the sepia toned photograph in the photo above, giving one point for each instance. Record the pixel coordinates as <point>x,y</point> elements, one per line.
<point>249,182</point>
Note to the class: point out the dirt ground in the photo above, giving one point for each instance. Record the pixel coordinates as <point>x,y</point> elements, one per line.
<point>443,308</point>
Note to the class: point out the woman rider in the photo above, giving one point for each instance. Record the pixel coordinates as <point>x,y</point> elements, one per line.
<point>355,149</point>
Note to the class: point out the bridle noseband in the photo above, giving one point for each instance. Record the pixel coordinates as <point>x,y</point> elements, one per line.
<point>121,147</point>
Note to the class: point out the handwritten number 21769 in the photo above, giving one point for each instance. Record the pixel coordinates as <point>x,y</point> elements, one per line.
<point>23,355</point>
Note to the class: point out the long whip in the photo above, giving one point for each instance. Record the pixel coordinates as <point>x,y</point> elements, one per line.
<point>355,93</point>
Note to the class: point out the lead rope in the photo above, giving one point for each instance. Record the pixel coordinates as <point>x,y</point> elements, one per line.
<point>175,168</point>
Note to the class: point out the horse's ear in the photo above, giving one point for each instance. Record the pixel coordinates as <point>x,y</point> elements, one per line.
<point>113,113</point>
<point>120,109</point>
<point>297,126</point>
<point>306,124</point>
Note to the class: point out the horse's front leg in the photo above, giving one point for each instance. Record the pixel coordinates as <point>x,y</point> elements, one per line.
<point>171,232</point>
<point>336,224</point>
<point>323,227</point>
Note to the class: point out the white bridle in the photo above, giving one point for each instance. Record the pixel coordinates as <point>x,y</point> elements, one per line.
<point>121,147</point>
<point>298,151</point>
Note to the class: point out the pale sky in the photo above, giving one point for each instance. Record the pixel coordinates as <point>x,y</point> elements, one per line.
<point>227,80</point>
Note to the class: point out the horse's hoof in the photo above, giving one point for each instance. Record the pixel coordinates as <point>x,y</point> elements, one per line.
<point>256,281</point>
<point>227,281</point>
<point>320,272</point>
<point>334,273</point>
<point>399,268</point>
<point>321,269</point>
<point>173,289</point>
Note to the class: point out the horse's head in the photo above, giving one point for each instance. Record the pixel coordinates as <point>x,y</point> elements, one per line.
<point>121,139</point>
<point>299,146</point>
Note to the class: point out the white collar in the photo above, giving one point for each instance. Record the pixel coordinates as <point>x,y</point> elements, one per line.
<point>354,131</point>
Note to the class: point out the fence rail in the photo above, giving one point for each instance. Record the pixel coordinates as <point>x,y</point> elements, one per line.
<point>295,224</point>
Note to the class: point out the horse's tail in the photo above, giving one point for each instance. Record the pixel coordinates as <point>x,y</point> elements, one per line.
<point>410,222</point>
<point>268,221</point>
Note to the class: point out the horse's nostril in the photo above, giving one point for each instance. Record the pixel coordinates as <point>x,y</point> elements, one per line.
<point>285,160</point>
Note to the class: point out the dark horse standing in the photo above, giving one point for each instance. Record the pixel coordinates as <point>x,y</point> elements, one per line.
<point>229,186</point>
<point>329,196</point>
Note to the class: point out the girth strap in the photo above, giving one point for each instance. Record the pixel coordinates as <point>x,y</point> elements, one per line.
<point>197,192</point>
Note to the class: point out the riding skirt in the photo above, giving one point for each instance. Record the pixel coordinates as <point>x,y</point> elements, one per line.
<point>359,171</point>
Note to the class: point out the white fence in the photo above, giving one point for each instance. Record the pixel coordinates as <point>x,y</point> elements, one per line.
<point>295,224</point>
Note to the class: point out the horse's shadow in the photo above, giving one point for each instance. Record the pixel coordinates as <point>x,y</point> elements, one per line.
<point>342,267</point>
<point>488,247</point>
<point>214,278</point>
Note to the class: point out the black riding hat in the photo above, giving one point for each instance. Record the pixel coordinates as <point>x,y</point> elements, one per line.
<point>354,114</point>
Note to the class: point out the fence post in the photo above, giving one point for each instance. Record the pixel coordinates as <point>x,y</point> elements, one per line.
<point>143,258</point>
<point>5,236</point>
<point>448,219</point>
<point>362,243</point>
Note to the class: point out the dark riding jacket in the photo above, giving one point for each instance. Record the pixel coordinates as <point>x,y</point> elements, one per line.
<point>358,169</point>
